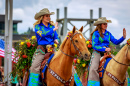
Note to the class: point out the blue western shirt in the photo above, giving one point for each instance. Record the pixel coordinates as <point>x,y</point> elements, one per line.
<point>45,35</point>
<point>99,43</point>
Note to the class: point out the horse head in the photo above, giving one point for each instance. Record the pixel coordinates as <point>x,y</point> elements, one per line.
<point>76,44</point>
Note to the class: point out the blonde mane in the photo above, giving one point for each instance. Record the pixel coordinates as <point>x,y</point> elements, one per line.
<point>65,40</point>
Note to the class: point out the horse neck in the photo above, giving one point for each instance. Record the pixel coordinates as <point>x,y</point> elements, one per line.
<point>121,57</point>
<point>65,62</point>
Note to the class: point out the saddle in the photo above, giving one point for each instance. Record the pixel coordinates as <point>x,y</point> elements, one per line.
<point>46,57</point>
<point>103,63</point>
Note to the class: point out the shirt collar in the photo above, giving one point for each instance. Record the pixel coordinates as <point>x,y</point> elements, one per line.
<point>44,25</point>
<point>105,32</point>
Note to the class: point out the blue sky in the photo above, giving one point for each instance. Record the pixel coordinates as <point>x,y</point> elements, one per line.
<point>116,10</point>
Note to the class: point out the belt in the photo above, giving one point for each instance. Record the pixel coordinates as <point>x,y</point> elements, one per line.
<point>41,47</point>
<point>44,46</point>
<point>101,53</point>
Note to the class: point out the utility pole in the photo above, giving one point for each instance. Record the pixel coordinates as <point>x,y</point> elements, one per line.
<point>8,41</point>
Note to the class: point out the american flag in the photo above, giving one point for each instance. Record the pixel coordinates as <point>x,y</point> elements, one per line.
<point>2,51</point>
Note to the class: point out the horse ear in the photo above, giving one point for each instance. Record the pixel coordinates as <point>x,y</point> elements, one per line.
<point>73,31</point>
<point>81,29</point>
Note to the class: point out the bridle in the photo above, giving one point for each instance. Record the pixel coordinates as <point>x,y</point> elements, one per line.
<point>75,47</point>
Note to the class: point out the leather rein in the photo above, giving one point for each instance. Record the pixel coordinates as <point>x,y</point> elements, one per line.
<point>120,62</point>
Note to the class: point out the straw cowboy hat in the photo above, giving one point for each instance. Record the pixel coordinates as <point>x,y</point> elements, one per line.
<point>102,20</point>
<point>43,12</point>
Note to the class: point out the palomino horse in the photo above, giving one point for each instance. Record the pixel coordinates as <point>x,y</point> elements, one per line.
<point>117,67</point>
<point>61,64</point>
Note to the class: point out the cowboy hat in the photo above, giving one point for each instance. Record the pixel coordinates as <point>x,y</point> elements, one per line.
<point>102,20</point>
<point>43,12</point>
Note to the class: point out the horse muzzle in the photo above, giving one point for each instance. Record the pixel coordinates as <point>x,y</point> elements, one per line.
<point>86,56</point>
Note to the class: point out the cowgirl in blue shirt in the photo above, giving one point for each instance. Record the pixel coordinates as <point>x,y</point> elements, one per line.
<point>100,42</point>
<point>46,35</point>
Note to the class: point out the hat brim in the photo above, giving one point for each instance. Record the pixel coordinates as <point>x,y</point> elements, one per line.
<point>41,14</point>
<point>100,22</point>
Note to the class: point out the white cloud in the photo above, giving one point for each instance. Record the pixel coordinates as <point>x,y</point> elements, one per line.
<point>115,10</point>
<point>115,23</point>
<point>18,13</point>
<point>1,3</point>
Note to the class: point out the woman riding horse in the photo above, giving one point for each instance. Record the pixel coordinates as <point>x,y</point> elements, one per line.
<point>100,42</point>
<point>46,35</point>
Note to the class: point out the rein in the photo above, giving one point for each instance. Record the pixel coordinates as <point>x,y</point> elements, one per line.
<point>74,47</point>
<point>120,62</point>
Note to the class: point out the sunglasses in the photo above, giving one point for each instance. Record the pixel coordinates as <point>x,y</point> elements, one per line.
<point>104,23</point>
<point>47,15</point>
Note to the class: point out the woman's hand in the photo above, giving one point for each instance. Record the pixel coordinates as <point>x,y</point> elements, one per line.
<point>56,41</point>
<point>124,33</point>
<point>108,49</point>
<point>56,26</point>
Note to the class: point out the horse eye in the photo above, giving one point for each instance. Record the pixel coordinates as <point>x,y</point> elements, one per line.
<point>76,40</point>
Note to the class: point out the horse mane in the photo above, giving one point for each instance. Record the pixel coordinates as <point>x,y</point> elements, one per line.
<point>65,40</point>
<point>61,47</point>
<point>63,43</point>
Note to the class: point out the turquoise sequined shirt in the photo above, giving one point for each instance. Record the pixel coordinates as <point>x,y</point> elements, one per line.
<point>45,35</point>
<point>98,42</point>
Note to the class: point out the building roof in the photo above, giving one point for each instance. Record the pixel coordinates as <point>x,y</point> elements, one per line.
<point>17,37</point>
<point>2,19</point>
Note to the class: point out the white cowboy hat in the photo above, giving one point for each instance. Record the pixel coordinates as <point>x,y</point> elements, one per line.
<point>43,12</point>
<point>102,20</point>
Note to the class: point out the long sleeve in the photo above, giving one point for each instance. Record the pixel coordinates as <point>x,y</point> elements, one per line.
<point>115,41</point>
<point>56,36</point>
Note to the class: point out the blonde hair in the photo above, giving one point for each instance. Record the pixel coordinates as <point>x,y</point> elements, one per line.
<point>39,21</point>
<point>98,27</point>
